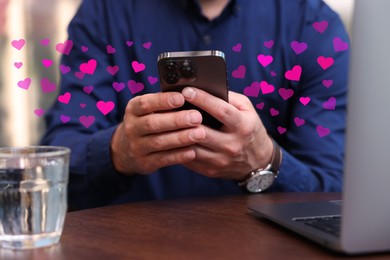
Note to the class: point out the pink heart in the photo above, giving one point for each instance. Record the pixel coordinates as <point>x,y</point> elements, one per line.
<point>137,66</point>
<point>322,131</point>
<point>112,70</point>
<point>129,43</point>
<point>39,112</point>
<point>330,104</point>
<point>18,44</point>
<point>152,80</point>
<point>274,112</point>
<point>252,90</point>
<point>266,88</point>
<point>281,130</point>
<point>339,45</point>
<point>240,72</point>
<point>80,75</point>
<point>87,121</point>
<point>83,105</point>
<point>65,119</point>
<point>327,83</point>
<point>47,86</point>
<point>47,63</point>
<point>65,98</point>
<point>110,49</point>
<point>273,73</point>
<point>105,107</point>
<point>298,47</point>
<point>269,44</point>
<point>118,86</point>
<point>147,45</point>
<point>84,48</point>
<point>88,89</point>
<point>64,69</point>
<point>294,74</point>
<point>260,105</point>
<point>18,65</point>
<point>237,47</point>
<point>264,60</point>
<point>299,121</point>
<point>304,100</point>
<point>45,42</point>
<point>65,48</point>
<point>89,67</point>
<point>24,84</point>
<point>134,86</point>
<point>325,62</point>
<point>320,26</point>
<point>286,93</point>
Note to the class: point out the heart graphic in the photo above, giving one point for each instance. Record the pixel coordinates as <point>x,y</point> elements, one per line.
<point>18,65</point>
<point>65,47</point>
<point>88,89</point>
<point>118,86</point>
<point>112,70</point>
<point>18,44</point>
<point>24,84</point>
<point>65,98</point>
<point>84,48</point>
<point>39,112</point>
<point>325,62</point>
<point>322,131</point>
<point>89,67</point>
<point>64,69</point>
<point>47,63</point>
<point>87,121</point>
<point>129,43</point>
<point>105,107</point>
<point>266,88</point>
<point>320,26</point>
<point>47,86</point>
<point>110,49</point>
<point>269,44</point>
<point>274,112</point>
<point>45,42</point>
<point>264,60</point>
<point>137,66</point>
<point>273,73</point>
<point>134,86</point>
<point>339,45</point>
<point>147,45</point>
<point>299,121</point>
<point>64,119</point>
<point>260,105</point>
<point>285,93</point>
<point>237,47</point>
<point>304,100</point>
<point>330,104</point>
<point>83,105</point>
<point>80,75</point>
<point>298,47</point>
<point>327,83</point>
<point>294,74</point>
<point>281,130</point>
<point>152,80</point>
<point>252,90</point>
<point>240,72</point>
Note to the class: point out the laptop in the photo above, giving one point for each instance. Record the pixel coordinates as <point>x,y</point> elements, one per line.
<point>360,222</point>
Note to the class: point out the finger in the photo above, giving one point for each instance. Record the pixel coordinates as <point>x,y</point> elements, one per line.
<point>150,103</point>
<point>218,108</point>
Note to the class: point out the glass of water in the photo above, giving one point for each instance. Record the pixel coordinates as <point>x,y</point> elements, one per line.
<point>33,195</point>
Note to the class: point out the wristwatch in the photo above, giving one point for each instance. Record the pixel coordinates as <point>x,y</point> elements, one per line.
<point>261,179</point>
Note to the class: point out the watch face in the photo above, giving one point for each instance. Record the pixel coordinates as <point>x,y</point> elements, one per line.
<point>261,181</point>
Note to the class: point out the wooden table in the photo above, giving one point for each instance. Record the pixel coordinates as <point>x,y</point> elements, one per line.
<point>210,228</point>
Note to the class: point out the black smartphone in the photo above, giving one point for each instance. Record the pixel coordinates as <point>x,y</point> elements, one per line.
<point>205,70</point>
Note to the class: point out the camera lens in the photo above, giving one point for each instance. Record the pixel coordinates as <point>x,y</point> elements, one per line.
<point>171,78</point>
<point>170,66</point>
<point>187,70</point>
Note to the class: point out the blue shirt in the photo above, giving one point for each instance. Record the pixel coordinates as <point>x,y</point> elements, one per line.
<point>290,57</point>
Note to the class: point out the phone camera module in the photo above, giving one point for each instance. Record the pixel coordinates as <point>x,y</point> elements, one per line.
<point>187,70</point>
<point>172,78</point>
<point>170,66</point>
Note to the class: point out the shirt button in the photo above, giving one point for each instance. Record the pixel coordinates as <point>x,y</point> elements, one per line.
<point>207,39</point>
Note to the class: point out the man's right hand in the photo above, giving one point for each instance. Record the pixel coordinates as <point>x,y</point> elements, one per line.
<point>152,135</point>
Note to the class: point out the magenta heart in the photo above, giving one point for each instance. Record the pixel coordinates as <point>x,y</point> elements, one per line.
<point>137,66</point>
<point>129,43</point>
<point>87,121</point>
<point>65,48</point>
<point>110,49</point>
<point>80,75</point>
<point>88,89</point>
<point>269,44</point>
<point>18,44</point>
<point>152,80</point>
<point>274,112</point>
<point>330,104</point>
<point>39,112</point>
<point>64,119</point>
<point>281,130</point>
<point>252,90</point>
<point>118,86</point>
<point>304,100</point>
<point>64,69</point>
<point>327,83</point>
<point>320,26</point>
<point>105,107</point>
<point>89,67</point>
<point>47,86</point>
<point>340,45</point>
<point>298,47</point>
<point>83,105</point>
<point>286,93</point>
<point>84,48</point>
<point>147,45</point>
<point>264,60</point>
<point>325,62</point>
<point>47,63</point>
<point>45,42</point>
<point>260,105</point>
<point>237,47</point>
<point>18,65</point>
<point>134,86</point>
<point>273,73</point>
<point>65,98</point>
<point>239,73</point>
<point>266,88</point>
<point>294,74</point>
<point>24,84</point>
<point>299,121</point>
<point>112,70</point>
<point>322,131</point>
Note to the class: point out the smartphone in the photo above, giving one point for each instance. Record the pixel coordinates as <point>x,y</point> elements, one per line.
<point>205,70</point>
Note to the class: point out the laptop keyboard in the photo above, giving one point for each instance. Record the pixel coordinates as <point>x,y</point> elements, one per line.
<point>328,224</point>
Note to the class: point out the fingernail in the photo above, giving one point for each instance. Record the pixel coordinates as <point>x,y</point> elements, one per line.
<point>195,118</point>
<point>189,93</point>
<point>197,134</point>
<point>176,100</point>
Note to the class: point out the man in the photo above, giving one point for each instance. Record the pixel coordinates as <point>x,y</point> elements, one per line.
<point>287,63</point>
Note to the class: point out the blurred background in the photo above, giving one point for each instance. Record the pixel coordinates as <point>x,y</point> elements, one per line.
<point>42,25</point>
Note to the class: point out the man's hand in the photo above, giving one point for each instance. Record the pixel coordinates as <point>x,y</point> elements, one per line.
<point>240,146</point>
<point>152,135</point>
